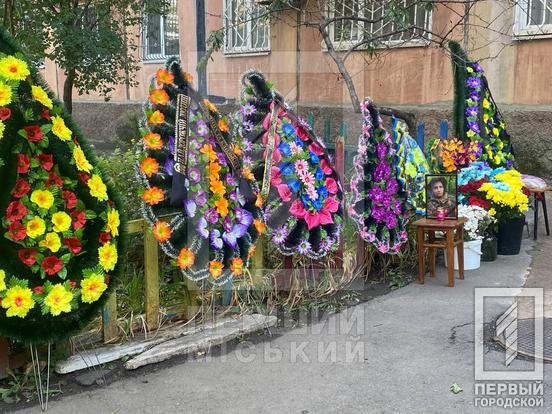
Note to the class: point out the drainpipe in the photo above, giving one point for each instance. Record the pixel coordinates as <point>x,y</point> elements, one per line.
<point>201,46</point>
<point>298,60</point>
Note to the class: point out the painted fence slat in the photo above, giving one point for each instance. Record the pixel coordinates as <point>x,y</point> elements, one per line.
<point>109,319</point>
<point>443,129</point>
<point>420,135</point>
<point>151,274</point>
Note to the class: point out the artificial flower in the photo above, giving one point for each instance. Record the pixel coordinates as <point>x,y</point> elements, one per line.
<point>159,97</point>
<point>80,160</point>
<point>41,96</point>
<point>73,244</point>
<point>78,218</point>
<point>107,255</point>
<point>113,222</point>
<point>17,231</point>
<point>42,198</point>
<point>92,287</point>
<point>70,199</point>
<point>217,187</point>
<point>27,256</point>
<point>51,241</point>
<point>58,300</point>
<point>59,129</point>
<point>156,117</point>
<point>153,196</point>
<point>153,141</point>
<point>5,114</point>
<point>5,94</point>
<point>185,259</point>
<point>51,265</point>
<point>23,163</point>
<point>236,266</point>
<point>46,161</point>
<point>208,150</point>
<point>222,207</point>
<point>97,188</point>
<point>223,126</point>
<point>259,225</point>
<point>149,166</point>
<point>16,211</point>
<point>12,68</point>
<point>36,227</point>
<point>61,221</point>
<point>2,280</point>
<point>210,106</point>
<point>161,231</point>
<point>164,77</point>
<point>215,268</point>
<point>18,301</point>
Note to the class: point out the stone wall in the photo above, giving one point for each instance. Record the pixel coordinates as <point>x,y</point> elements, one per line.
<point>111,125</point>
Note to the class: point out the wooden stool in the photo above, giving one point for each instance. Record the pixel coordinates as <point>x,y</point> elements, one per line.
<point>454,236</point>
<point>539,195</point>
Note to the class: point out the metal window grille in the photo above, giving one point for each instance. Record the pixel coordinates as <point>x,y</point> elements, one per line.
<point>383,27</point>
<point>246,27</point>
<point>160,35</point>
<point>538,13</point>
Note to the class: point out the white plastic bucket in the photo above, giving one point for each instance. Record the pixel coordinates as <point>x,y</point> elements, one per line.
<point>472,255</point>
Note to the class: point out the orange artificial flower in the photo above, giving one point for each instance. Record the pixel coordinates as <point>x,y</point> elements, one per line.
<point>214,170</point>
<point>259,225</point>
<point>211,106</point>
<point>156,118</point>
<point>185,259</point>
<point>259,201</point>
<point>149,166</point>
<point>252,251</point>
<point>153,141</point>
<point>217,187</point>
<point>248,174</point>
<point>236,266</point>
<point>161,231</point>
<point>153,196</point>
<point>223,126</point>
<point>215,268</point>
<point>189,77</point>
<point>163,76</point>
<point>159,97</point>
<point>222,207</point>
<point>207,149</point>
<point>237,150</point>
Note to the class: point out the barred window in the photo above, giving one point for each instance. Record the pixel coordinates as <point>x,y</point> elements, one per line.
<point>383,28</point>
<point>534,17</point>
<point>246,27</point>
<point>160,35</point>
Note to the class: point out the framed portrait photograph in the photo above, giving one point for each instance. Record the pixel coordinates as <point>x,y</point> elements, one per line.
<point>441,196</point>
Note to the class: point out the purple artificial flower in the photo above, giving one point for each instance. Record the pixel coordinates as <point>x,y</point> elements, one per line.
<point>474,96</point>
<point>192,159</point>
<point>201,128</point>
<point>392,187</point>
<point>227,224</point>
<point>194,175</point>
<point>390,221</point>
<point>212,141</point>
<point>477,67</point>
<point>382,172</point>
<point>479,149</point>
<point>215,240</point>
<point>233,196</point>
<point>190,207</point>
<point>303,122</point>
<point>229,178</point>
<point>243,217</point>
<point>221,159</point>
<point>473,82</point>
<point>304,247</point>
<point>279,235</point>
<point>231,237</point>
<point>474,126</point>
<point>246,145</point>
<point>169,166</point>
<point>211,215</point>
<point>509,164</point>
<point>248,109</point>
<point>381,149</point>
<point>472,111</point>
<point>376,194</point>
<point>326,244</point>
<point>247,126</point>
<point>247,161</point>
<point>201,198</point>
<point>201,228</point>
<point>378,213</point>
<point>171,144</point>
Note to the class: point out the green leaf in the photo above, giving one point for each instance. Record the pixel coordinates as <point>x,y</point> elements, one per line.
<point>455,388</point>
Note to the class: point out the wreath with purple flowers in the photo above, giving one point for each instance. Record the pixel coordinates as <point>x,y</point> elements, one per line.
<point>377,201</point>
<point>301,190</point>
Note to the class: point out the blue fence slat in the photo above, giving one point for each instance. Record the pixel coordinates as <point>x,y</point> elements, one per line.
<point>443,129</point>
<point>420,134</point>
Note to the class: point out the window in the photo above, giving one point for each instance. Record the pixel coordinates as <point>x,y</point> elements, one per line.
<point>533,17</point>
<point>383,29</point>
<point>160,35</point>
<point>246,27</point>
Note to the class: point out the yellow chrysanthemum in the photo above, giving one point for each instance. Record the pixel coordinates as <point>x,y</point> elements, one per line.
<point>52,242</point>
<point>42,198</point>
<point>59,128</point>
<point>107,255</point>
<point>41,96</point>
<point>35,227</point>
<point>18,301</point>
<point>59,300</point>
<point>2,280</point>
<point>97,188</point>
<point>5,94</point>
<point>61,221</point>
<point>113,222</point>
<point>12,68</point>
<point>80,160</point>
<point>492,212</point>
<point>486,103</point>
<point>92,288</point>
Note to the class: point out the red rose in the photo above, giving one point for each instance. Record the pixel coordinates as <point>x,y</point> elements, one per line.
<point>52,265</point>
<point>104,237</point>
<point>70,199</point>
<point>16,211</point>
<point>21,188</point>
<point>16,231</point>
<point>33,133</point>
<point>45,114</point>
<point>84,177</point>
<point>5,113</point>
<point>73,244</point>
<point>73,284</point>
<point>46,161</point>
<point>27,256</point>
<point>79,219</point>
<point>55,179</point>
<point>476,201</point>
<point>23,164</point>
<point>38,290</point>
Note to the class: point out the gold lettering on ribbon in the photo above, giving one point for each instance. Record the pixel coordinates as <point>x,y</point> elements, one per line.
<point>181,133</point>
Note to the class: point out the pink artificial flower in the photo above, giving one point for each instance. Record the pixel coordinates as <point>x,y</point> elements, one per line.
<point>326,168</point>
<point>297,209</point>
<point>284,192</point>
<point>371,238</point>
<point>307,178</point>
<point>331,185</point>
<point>383,247</point>
<point>396,247</point>
<point>364,233</point>
<point>317,149</point>
<point>295,149</point>
<point>331,204</point>
<point>301,167</point>
<point>362,149</point>
<point>275,176</point>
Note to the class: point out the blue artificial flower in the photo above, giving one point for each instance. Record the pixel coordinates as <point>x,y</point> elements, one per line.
<point>294,185</point>
<point>288,130</point>
<point>314,158</point>
<point>319,174</point>
<point>317,204</point>
<point>286,168</point>
<point>305,199</point>
<point>323,192</point>
<point>299,142</point>
<point>285,149</point>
